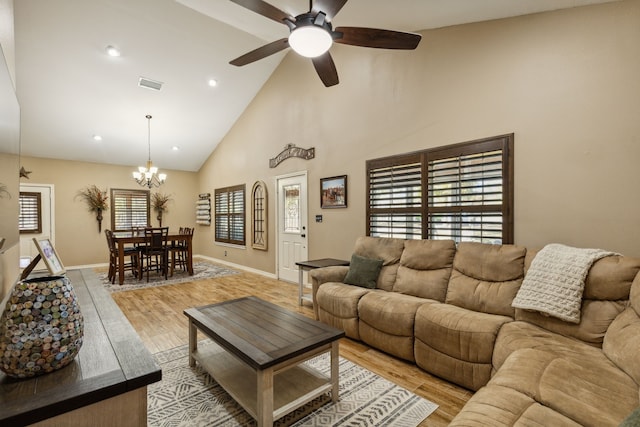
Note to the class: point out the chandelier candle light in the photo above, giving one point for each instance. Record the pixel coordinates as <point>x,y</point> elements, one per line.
<point>148,176</point>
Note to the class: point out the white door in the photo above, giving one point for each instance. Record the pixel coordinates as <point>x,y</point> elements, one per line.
<point>292,224</point>
<point>28,249</point>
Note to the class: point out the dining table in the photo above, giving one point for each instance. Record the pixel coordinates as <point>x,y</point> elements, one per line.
<point>123,238</point>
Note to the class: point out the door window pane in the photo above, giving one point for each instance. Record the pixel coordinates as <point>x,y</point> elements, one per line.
<point>292,208</point>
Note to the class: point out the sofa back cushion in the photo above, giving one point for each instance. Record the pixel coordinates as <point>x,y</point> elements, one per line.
<point>385,249</point>
<point>622,340</point>
<point>486,277</point>
<point>425,268</point>
<point>605,295</point>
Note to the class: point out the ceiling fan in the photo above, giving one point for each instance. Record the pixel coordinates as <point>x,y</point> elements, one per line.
<point>312,35</point>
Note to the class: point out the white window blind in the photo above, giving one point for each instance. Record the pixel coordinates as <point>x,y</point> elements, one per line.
<point>30,216</point>
<point>129,209</point>
<point>230,215</point>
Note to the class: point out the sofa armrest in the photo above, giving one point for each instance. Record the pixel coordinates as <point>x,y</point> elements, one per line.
<point>319,276</point>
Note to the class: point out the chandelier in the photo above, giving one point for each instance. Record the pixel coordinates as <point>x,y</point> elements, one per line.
<point>148,176</point>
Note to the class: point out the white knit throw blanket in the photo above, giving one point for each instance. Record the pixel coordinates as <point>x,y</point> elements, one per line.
<point>554,283</point>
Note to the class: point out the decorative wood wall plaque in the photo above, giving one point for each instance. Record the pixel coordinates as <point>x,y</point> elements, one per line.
<point>290,150</point>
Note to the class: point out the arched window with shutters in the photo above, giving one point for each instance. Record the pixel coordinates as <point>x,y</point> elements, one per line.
<point>259,222</point>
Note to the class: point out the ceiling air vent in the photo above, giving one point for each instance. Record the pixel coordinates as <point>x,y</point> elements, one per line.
<point>149,84</point>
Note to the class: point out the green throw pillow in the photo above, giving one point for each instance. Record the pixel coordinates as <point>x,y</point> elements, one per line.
<point>363,271</point>
<point>633,420</point>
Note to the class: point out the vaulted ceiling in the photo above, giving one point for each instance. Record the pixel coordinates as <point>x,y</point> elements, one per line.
<point>70,90</point>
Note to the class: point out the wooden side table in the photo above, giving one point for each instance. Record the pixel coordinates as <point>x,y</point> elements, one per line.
<point>310,265</point>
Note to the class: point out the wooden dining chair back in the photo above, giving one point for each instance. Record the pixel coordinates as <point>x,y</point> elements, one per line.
<point>131,253</point>
<point>154,252</point>
<point>179,250</point>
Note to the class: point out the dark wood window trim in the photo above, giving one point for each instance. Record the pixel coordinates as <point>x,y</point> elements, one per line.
<point>30,217</point>
<point>230,215</point>
<point>129,208</point>
<point>405,193</point>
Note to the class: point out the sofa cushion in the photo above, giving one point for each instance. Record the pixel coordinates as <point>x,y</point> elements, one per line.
<point>337,305</point>
<point>634,295</point>
<point>622,343</point>
<point>363,271</point>
<point>456,344</point>
<point>589,389</point>
<point>388,250</point>
<point>425,268</point>
<point>319,276</point>
<point>498,406</point>
<point>606,290</point>
<point>521,335</point>
<point>387,321</point>
<point>596,316</point>
<point>486,278</point>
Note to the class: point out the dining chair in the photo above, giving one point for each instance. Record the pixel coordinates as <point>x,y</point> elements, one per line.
<point>180,250</point>
<point>129,252</point>
<point>154,253</point>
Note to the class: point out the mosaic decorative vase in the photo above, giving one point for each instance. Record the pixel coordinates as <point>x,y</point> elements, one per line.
<point>41,327</point>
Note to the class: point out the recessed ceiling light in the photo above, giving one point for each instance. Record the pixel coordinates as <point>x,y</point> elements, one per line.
<point>112,51</point>
<point>175,148</point>
<point>213,82</point>
<point>97,138</point>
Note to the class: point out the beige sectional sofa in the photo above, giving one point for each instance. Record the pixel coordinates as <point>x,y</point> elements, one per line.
<point>448,309</point>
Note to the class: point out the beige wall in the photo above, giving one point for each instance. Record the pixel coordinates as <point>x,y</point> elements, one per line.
<point>9,259</point>
<point>77,239</point>
<point>565,82</point>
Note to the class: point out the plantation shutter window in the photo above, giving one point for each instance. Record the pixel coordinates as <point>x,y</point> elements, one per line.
<point>462,192</point>
<point>466,198</point>
<point>129,209</point>
<point>230,215</point>
<point>395,198</point>
<point>30,216</point>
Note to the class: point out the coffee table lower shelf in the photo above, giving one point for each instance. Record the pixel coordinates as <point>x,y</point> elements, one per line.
<point>294,384</point>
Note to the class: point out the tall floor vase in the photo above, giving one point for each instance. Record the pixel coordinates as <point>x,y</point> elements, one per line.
<point>41,327</point>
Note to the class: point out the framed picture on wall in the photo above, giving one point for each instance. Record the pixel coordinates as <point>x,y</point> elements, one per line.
<point>333,192</point>
<point>49,255</point>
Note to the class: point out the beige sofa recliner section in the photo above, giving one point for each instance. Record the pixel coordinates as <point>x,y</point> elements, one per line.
<point>448,309</point>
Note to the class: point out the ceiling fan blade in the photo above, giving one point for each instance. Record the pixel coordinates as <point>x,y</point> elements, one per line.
<point>265,9</point>
<point>261,52</point>
<point>329,7</point>
<point>326,69</point>
<point>373,37</point>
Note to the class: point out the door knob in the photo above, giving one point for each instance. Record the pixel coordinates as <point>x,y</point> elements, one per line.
<point>303,235</point>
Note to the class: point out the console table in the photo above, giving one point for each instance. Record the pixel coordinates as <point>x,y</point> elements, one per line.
<point>310,265</point>
<point>106,382</point>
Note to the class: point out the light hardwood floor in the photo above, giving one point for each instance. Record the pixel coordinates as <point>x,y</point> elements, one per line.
<point>157,315</point>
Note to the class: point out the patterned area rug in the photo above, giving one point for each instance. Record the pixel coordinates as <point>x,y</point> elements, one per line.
<point>188,397</point>
<point>201,270</point>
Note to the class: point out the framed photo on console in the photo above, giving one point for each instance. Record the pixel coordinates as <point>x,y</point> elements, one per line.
<point>49,255</point>
<point>333,192</point>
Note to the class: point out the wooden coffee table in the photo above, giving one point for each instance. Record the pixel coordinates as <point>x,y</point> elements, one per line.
<point>258,352</point>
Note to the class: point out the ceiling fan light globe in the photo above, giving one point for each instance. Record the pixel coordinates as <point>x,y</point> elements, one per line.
<point>310,41</point>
